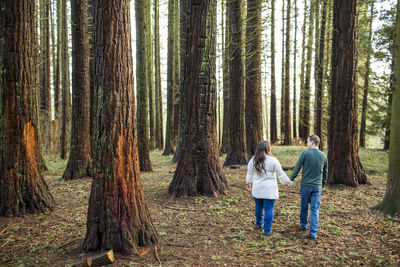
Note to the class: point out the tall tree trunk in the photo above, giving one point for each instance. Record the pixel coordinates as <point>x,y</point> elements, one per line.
<point>283,68</point>
<point>225,81</point>
<point>169,138</point>
<point>391,201</point>
<point>302,70</point>
<point>287,118</point>
<point>118,217</point>
<point>66,96</point>
<point>237,152</point>
<point>93,103</point>
<point>176,70</point>
<point>304,122</point>
<point>386,144</point>
<point>273,120</point>
<point>158,92</point>
<point>22,186</point>
<point>320,78</point>
<point>151,81</point>
<point>142,84</point>
<point>253,112</point>
<point>79,162</point>
<point>366,81</point>
<point>45,103</point>
<point>344,164</point>
<point>198,170</point>
<point>294,121</point>
<point>182,97</point>
<point>57,83</point>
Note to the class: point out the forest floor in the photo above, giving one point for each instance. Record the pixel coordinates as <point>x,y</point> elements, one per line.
<point>217,231</point>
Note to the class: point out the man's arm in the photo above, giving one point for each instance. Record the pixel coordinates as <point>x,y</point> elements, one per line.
<point>325,173</point>
<point>296,170</point>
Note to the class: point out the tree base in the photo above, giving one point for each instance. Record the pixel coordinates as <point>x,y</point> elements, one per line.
<point>236,159</point>
<point>77,170</point>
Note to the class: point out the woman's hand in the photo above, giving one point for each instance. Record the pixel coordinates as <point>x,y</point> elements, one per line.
<point>248,186</point>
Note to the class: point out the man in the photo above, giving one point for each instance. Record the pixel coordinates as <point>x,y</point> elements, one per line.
<point>313,179</point>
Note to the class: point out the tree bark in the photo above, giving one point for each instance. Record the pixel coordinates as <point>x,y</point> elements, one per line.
<point>66,96</point>
<point>170,135</point>
<point>142,84</point>
<point>225,82</point>
<point>294,121</point>
<point>79,162</point>
<point>253,112</point>
<point>344,164</point>
<point>118,217</point>
<point>176,70</point>
<point>158,92</point>
<point>366,81</point>
<point>320,78</point>
<point>273,121</point>
<point>198,170</point>
<point>283,69</point>
<point>287,117</point>
<point>302,70</point>
<point>237,153</point>
<point>151,81</point>
<point>22,186</point>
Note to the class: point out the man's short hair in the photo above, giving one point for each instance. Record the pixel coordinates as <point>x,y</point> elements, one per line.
<point>315,139</point>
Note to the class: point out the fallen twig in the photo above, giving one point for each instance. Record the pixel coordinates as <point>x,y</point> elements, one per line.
<point>174,208</point>
<point>66,244</point>
<point>5,244</point>
<point>177,245</point>
<point>158,258</point>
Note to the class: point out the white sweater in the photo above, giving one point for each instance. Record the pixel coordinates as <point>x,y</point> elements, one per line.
<point>264,185</point>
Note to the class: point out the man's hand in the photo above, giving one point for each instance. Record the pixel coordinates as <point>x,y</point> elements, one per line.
<point>248,186</point>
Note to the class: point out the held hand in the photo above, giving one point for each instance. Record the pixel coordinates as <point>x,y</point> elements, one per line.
<point>291,184</point>
<point>248,187</point>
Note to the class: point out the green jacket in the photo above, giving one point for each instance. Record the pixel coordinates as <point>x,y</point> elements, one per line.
<point>315,168</point>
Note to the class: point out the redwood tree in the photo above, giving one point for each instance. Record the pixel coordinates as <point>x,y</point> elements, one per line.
<point>237,152</point>
<point>22,186</point>
<point>118,217</point>
<point>391,201</point>
<point>253,76</point>
<point>344,164</point>
<point>79,156</point>
<point>273,120</point>
<point>287,116</point>
<point>198,170</point>
<point>225,81</point>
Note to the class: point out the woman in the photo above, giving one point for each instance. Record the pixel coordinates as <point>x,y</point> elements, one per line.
<point>262,181</point>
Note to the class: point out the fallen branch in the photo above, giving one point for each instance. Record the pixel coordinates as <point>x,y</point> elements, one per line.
<point>186,209</point>
<point>5,244</point>
<point>158,258</point>
<point>68,243</point>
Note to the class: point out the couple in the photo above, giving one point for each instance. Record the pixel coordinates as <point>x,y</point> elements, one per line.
<point>264,187</point>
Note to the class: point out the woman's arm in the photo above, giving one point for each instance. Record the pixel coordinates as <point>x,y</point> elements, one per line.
<point>283,178</point>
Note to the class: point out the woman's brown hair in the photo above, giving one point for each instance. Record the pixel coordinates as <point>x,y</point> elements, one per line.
<point>263,149</point>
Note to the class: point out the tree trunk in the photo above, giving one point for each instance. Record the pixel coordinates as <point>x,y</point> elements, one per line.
<point>22,186</point>
<point>237,153</point>
<point>366,81</point>
<point>66,97</point>
<point>170,139</point>
<point>283,68</point>
<point>93,103</point>
<point>142,84</point>
<point>118,217</point>
<point>388,119</point>
<point>302,70</point>
<point>225,82</point>
<point>391,201</point>
<point>198,170</point>
<point>304,123</point>
<point>45,103</point>
<point>158,92</point>
<point>57,83</point>
<point>274,127</point>
<point>344,164</point>
<point>176,70</point>
<point>253,113</point>
<point>294,121</point>
<point>320,78</point>
<point>79,162</point>
<point>151,81</point>
<point>182,96</point>
<point>287,118</point>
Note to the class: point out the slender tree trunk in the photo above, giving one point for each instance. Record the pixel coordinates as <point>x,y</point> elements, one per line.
<point>66,96</point>
<point>45,102</point>
<point>176,70</point>
<point>302,71</point>
<point>366,81</point>
<point>118,217</point>
<point>93,103</point>
<point>320,78</point>
<point>158,92</point>
<point>294,122</point>
<point>253,112</point>
<point>198,170</point>
<point>283,68</point>
<point>287,117</point>
<point>79,162</point>
<point>391,202</point>
<point>142,84</point>
<point>237,153</point>
<point>225,80</point>
<point>344,164</point>
<point>22,186</point>
<point>273,121</point>
<point>386,144</point>
<point>57,83</point>
<point>169,139</point>
<point>182,97</point>
<point>151,81</point>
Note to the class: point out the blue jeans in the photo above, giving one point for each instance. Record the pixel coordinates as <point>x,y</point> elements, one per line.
<point>266,205</point>
<point>310,197</point>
